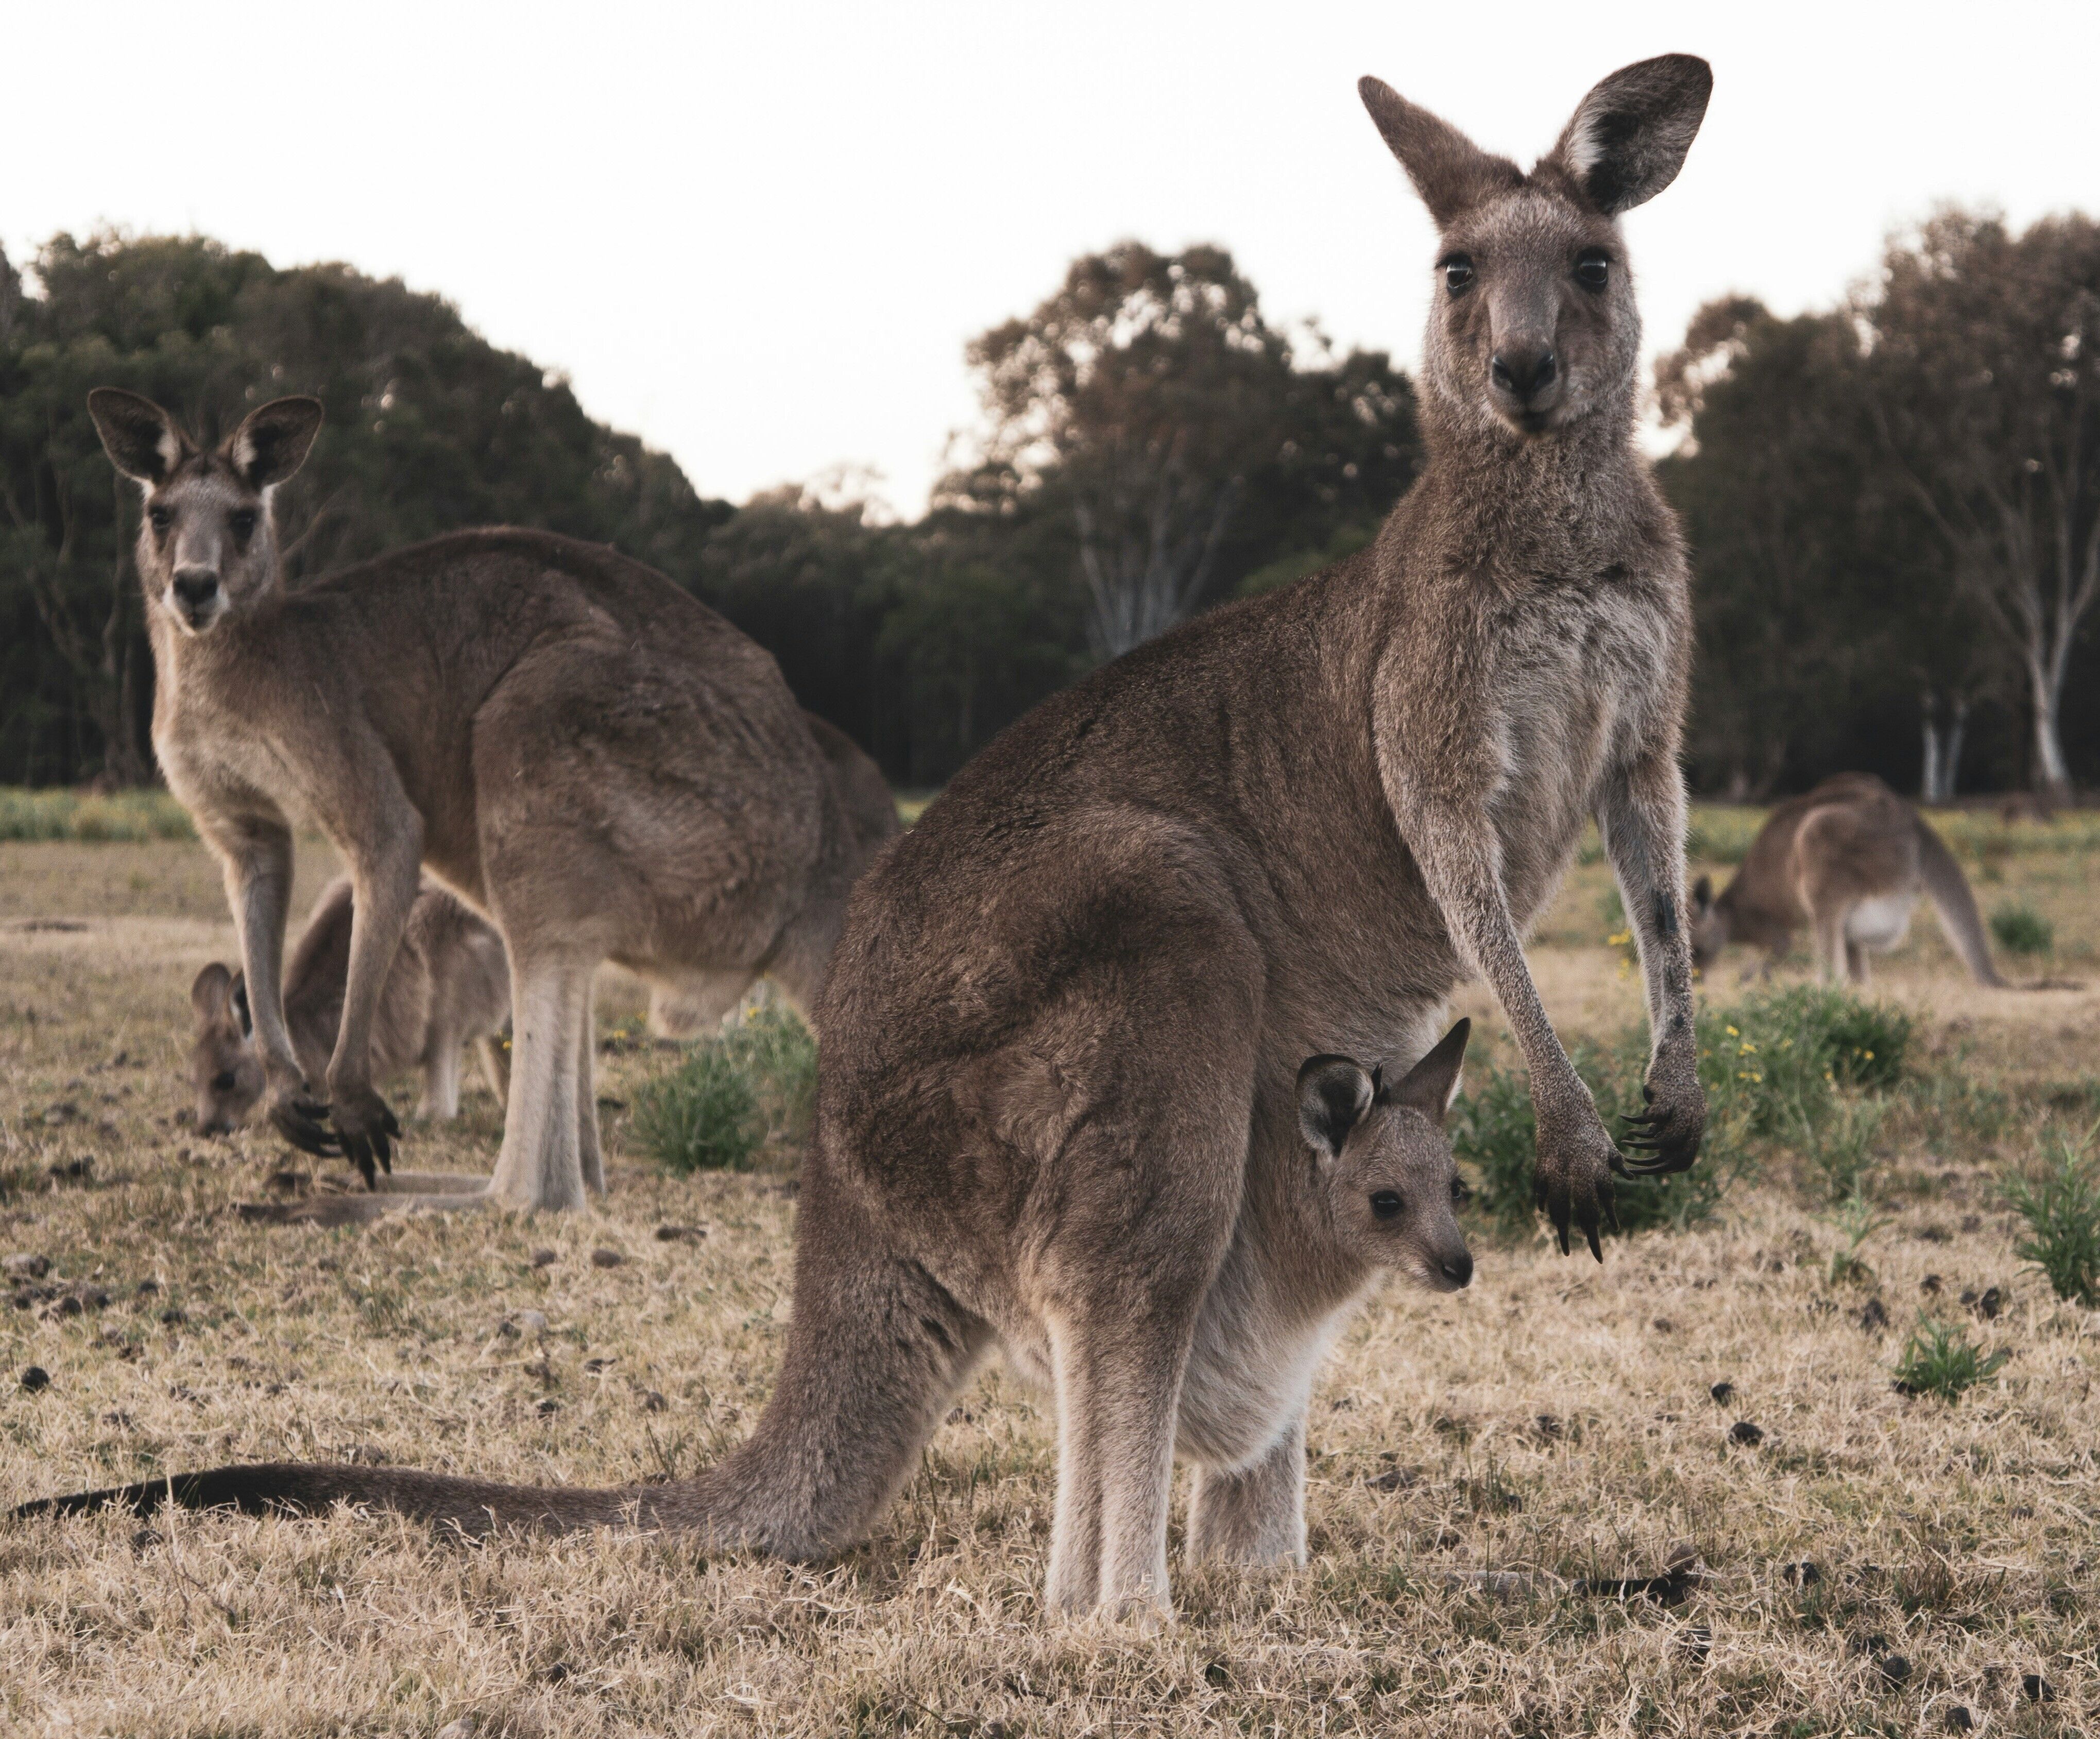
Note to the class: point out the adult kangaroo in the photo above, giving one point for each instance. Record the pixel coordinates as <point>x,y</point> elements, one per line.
<point>1850,860</point>
<point>564,738</point>
<point>449,986</point>
<point>1086,1085</point>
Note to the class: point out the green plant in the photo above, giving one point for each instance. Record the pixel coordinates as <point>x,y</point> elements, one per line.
<point>701,1117</point>
<point>755,1083</point>
<point>2021,929</point>
<point>1856,1220</point>
<point>1840,1149</point>
<point>64,815</point>
<point>2062,1208</point>
<point>1940,1359</point>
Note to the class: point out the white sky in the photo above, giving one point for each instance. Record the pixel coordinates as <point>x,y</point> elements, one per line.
<point>759,235</point>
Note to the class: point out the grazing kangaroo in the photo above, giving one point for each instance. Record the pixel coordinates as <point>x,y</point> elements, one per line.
<point>1849,860</point>
<point>449,986</point>
<point>1064,1102</point>
<point>564,738</point>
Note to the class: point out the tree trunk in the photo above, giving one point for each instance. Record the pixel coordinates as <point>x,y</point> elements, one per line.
<point>2051,772</point>
<point>1928,784</point>
<point>1950,762</point>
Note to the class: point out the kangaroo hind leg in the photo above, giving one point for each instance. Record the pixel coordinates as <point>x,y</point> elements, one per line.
<point>542,1162</point>
<point>1254,1514</point>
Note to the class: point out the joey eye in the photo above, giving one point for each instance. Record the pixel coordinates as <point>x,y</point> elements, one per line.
<point>1458,274</point>
<point>1385,1203</point>
<point>1593,268</point>
<point>162,517</point>
<point>1461,1191</point>
<point>244,523</point>
<point>225,1081</point>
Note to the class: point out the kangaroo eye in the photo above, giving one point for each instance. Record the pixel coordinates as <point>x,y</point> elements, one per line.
<point>1385,1203</point>
<point>1461,1191</point>
<point>244,523</point>
<point>225,1081</point>
<point>162,517</point>
<point>1593,267</point>
<point>1458,274</point>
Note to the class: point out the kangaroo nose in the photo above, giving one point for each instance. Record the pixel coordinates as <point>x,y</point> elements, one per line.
<point>196,586</point>
<point>1458,1270</point>
<point>1525,371</point>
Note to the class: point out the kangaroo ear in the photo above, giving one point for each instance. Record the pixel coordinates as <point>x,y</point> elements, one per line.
<point>211,996</point>
<point>1702,895</point>
<point>141,438</point>
<point>238,994</point>
<point>1449,170</point>
<point>1334,1092</point>
<point>1432,1084</point>
<point>1628,136</point>
<point>273,442</point>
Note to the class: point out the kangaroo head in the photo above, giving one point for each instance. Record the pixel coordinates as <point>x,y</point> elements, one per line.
<point>1710,924</point>
<point>208,549</point>
<point>1391,1188</point>
<point>224,1067</point>
<point>1533,327</point>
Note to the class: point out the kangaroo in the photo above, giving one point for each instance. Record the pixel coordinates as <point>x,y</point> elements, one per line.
<point>1064,1101</point>
<point>449,986</point>
<point>1849,860</point>
<point>562,737</point>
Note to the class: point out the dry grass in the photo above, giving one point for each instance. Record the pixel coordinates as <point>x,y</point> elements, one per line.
<point>1556,1417</point>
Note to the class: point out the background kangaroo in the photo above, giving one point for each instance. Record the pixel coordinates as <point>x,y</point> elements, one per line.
<point>1849,860</point>
<point>449,986</point>
<point>1063,1104</point>
<point>567,739</point>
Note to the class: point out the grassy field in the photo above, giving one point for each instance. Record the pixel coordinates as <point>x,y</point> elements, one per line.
<point>1868,1563</point>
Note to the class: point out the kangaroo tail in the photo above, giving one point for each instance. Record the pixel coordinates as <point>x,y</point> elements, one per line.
<point>875,1353</point>
<point>1948,890</point>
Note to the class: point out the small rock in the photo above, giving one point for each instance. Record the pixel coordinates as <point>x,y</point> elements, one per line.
<point>542,1259</point>
<point>607,1259</point>
<point>34,1378</point>
<point>1895,1669</point>
<point>1395,1479</point>
<point>172,1315</point>
<point>1873,1316</point>
<point>1663,1325</point>
<point>25,1266</point>
<point>69,1305</point>
<point>1931,1283</point>
<point>1972,1222</point>
<point>680,1234</point>
<point>652,1401</point>
<point>74,1170</point>
<point>558,1672</point>
<point>148,1286</point>
<point>1697,1640</point>
<point>594,1366</point>
<point>1549,1427</point>
<point>1988,1306</point>
<point>1959,1720</point>
<point>119,1419</point>
<point>549,1407</point>
<point>1743,1432</point>
<point>2036,1689</point>
<point>145,1539</point>
<point>1723,1391</point>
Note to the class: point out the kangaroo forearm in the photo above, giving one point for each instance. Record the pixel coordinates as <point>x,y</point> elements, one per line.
<point>257,858</point>
<point>1641,818</point>
<point>383,893</point>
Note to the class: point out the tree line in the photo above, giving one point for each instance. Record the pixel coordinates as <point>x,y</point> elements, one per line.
<point>1894,506</point>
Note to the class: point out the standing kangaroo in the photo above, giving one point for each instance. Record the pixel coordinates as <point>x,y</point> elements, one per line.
<point>1849,860</point>
<point>449,986</point>
<point>1065,1105</point>
<point>562,736</point>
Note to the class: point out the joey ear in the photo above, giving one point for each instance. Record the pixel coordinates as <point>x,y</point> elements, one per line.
<point>1334,1092</point>
<point>141,438</point>
<point>274,440</point>
<point>210,994</point>
<point>1449,170</point>
<point>1628,136</point>
<point>239,996</point>
<point>1430,1086</point>
<point>1702,895</point>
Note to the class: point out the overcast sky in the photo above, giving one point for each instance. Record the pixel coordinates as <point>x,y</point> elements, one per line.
<point>760,235</point>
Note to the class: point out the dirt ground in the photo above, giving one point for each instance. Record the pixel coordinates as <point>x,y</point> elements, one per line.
<point>1868,1565</point>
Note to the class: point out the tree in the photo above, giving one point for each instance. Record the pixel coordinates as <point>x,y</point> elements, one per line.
<point>1984,378</point>
<point>429,428</point>
<point>1149,400</point>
